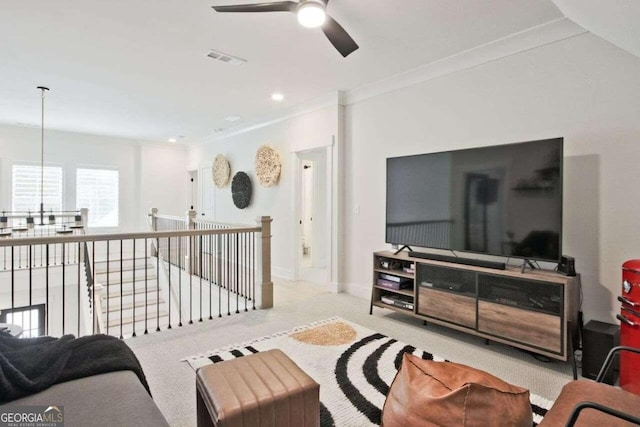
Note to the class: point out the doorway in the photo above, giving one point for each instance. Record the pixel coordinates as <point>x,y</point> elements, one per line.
<point>207,194</point>
<point>312,248</point>
<point>306,209</point>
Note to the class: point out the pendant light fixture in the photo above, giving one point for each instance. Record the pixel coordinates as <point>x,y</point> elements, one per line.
<point>42,89</point>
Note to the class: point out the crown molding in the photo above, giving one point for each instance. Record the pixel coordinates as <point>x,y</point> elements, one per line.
<point>541,35</point>
<point>531,38</point>
<point>328,100</point>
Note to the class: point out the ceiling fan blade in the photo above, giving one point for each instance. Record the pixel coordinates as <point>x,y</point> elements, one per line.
<point>279,6</point>
<point>338,37</point>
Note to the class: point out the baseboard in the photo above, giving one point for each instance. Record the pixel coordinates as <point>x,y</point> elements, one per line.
<point>282,273</point>
<point>335,287</point>
<point>358,290</point>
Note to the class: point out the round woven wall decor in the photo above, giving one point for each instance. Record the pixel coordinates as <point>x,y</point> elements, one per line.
<point>221,171</point>
<point>241,190</point>
<point>268,165</point>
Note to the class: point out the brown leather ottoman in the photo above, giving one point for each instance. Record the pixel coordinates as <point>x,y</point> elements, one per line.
<point>425,393</point>
<point>262,390</point>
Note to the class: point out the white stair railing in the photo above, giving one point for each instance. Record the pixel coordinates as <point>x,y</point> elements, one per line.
<point>230,275</point>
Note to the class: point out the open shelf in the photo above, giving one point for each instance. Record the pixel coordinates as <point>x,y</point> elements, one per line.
<point>535,310</point>
<point>399,273</point>
<point>392,307</point>
<point>407,292</point>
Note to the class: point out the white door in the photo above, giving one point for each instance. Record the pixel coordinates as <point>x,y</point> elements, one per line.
<point>312,249</point>
<point>207,194</point>
<point>307,212</point>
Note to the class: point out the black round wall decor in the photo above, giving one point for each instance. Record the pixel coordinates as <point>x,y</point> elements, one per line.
<point>241,190</point>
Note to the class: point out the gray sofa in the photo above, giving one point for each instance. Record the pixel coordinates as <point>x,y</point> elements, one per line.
<point>97,379</point>
<point>113,399</point>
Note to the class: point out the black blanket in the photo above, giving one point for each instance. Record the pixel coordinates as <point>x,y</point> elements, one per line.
<point>31,365</point>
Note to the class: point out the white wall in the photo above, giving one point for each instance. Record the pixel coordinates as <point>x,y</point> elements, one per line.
<point>307,131</point>
<point>583,89</point>
<point>164,181</point>
<point>150,174</point>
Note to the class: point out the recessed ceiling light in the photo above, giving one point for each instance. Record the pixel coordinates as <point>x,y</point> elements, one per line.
<point>232,118</point>
<point>173,140</point>
<point>277,97</point>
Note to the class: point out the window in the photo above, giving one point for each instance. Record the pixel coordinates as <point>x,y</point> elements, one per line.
<point>98,190</point>
<point>25,188</point>
<point>30,319</point>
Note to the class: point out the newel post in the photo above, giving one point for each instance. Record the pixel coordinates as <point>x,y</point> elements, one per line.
<point>264,291</point>
<point>194,246</point>
<point>84,214</point>
<point>153,213</point>
<point>154,218</point>
<point>191,217</point>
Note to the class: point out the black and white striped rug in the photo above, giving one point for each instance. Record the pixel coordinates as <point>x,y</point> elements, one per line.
<point>354,377</point>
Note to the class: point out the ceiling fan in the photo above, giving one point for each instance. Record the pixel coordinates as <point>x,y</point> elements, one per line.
<point>311,14</point>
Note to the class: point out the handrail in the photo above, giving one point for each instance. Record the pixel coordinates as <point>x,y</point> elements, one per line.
<point>95,304</point>
<point>87,270</point>
<point>219,270</point>
<point>226,224</point>
<point>166,274</point>
<point>27,214</point>
<point>98,322</point>
<point>38,211</point>
<point>171,217</point>
<point>122,236</point>
<point>200,220</point>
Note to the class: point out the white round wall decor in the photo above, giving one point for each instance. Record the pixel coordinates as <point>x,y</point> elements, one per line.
<point>221,171</point>
<point>268,166</point>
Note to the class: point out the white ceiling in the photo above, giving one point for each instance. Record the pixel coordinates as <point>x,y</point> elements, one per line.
<point>139,69</point>
<point>617,21</point>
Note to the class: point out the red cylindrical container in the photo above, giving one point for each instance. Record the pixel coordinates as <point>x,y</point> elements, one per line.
<point>630,326</point>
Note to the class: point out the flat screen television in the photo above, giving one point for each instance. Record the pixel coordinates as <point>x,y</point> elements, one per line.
<point>503,200</point>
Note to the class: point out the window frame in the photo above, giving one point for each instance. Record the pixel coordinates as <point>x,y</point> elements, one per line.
<point>40,310</point>
<point>105,228</point>
<point>38,165</point>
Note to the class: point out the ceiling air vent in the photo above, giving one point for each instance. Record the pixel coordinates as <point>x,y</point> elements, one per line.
<point>223,57</point>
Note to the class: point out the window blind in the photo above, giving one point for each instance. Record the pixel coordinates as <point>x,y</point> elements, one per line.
<point>25,188</point>
<point>98,191</point>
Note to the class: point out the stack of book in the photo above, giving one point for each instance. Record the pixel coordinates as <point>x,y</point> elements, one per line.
<point>390,281</point>
<point>401,301</point>
<point>411,269</point>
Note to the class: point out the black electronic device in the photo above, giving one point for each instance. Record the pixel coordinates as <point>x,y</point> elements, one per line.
<point>503,200</point>
<point>598,338</point>
<point>459,260</point>
<point>567,265</point>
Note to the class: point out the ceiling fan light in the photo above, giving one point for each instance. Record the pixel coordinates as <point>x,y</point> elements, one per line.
<point>311,14</point>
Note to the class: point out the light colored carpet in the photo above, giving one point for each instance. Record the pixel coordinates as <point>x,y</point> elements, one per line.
<point>354,366</point>
<point>173,383</point>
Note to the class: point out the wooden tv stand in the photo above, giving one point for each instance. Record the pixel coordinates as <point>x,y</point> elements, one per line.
<point>536,310</point>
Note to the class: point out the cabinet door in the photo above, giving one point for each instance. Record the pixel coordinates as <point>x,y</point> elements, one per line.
<point>447,306</point>
<point>452,279</point>
<point>524,326</point>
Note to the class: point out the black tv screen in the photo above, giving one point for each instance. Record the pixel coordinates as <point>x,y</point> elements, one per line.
<point>503,200</point>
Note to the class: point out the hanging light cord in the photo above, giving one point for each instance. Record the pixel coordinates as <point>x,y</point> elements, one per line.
<point>42,89</point>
